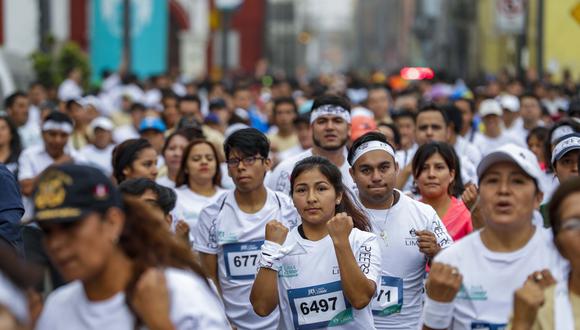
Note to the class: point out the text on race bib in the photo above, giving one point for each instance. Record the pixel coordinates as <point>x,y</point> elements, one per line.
<point>389,299</point>
<point>241,259</point>
<point>488,326</point>
<point>319,306</point>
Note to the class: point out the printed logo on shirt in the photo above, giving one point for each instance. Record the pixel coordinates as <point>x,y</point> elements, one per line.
<point>226,237</point>
<point>288,271</point>
<point>335,270</point>
<point>438,230</point>
<point>488,326</point>
<point>412,239</point>
<point>475,292</point>
<point>364,259</point>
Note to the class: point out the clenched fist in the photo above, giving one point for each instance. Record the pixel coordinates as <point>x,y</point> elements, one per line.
<point>276,232</point>
<point>443,283</point>
<point>339,227</point>
<point>427,243</point>
<point>527,302</point>
<point>469,196</point>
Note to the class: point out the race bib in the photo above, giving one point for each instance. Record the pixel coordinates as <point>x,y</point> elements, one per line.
<point>488,326</point>
<point>389,299</point>
<point>319,306</point>
<point>241,259</point>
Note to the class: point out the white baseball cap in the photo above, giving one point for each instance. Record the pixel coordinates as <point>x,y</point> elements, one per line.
<point>568,143</point>
<point>101,122</point>
<point>510,102</point>
<point>490,107</point>
<point>510,152</point>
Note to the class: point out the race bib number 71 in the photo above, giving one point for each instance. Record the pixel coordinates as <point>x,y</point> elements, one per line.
<point>389,299</point>
<point>319,306</point>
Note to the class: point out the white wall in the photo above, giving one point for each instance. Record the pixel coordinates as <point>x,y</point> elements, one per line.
<point>194,41</point>
<point>21,19</point>
<point>60,19</point>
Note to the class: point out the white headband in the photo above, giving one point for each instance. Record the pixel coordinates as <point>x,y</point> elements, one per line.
<point>560,132</point>
<point>372,146</point>
<point>330,110</point>
<point>51,125</point>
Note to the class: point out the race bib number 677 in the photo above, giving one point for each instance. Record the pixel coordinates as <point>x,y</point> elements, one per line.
<point>241,259</point>
<point>319,306</point>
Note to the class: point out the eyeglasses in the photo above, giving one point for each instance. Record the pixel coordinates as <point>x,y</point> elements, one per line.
<point>570,225</point>
<point>234,162</point>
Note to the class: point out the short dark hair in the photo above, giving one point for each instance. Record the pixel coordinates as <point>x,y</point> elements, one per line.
<point>189,98</point>
<point>332,100</point>
<point>432,107</point>
<point>530,95</point>
<point>404,114</point>
<point>454,116</point>
<point>166,197</point>
<point>137,107</point>
<point>59,117</point>
<point>248,141</point>
<point>284,100</point>
<point>303,118</point>
<point>469,102</point>
<point>15,143</point>
<point>367,137</point>
<point>11,99</point>
<point>449,156</point>
<point>396,133</point>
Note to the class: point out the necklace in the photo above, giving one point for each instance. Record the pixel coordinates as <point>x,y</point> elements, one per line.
<point>383,234</point>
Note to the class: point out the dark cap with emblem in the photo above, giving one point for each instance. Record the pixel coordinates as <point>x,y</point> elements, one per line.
<point>69,192</point>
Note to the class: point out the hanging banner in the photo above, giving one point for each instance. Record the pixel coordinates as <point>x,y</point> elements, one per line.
<point>149,29</point>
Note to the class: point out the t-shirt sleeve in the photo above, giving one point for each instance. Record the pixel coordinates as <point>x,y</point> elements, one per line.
<point>437,227</point>
<point>25,168</point>
<point>205,231</point>
<point>290,215</point>
<point>194,305</point>
<point>368,257</point>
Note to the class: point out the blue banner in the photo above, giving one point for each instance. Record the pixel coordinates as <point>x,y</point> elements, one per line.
<point>149,29</point>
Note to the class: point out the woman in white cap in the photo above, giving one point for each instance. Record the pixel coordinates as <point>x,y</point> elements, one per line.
<point>99,151</point>
<point>125,270</point>
<point>490,264</point>
<point>556,306</point>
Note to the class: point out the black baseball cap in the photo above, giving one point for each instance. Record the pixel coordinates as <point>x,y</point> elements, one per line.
<point>67,193</point>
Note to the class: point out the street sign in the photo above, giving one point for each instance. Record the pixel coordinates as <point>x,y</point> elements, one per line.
<point>576,12</point>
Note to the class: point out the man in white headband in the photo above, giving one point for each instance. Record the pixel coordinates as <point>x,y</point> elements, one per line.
<point>56,130</point>
<point>330,123</point>
<point>410,232</point>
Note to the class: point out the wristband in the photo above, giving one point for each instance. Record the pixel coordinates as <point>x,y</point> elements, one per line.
<point>271,255</point>
<point>437,315</point>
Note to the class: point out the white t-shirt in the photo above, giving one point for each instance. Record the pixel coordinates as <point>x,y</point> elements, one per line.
<point>236,238</point>
<point>30,134</point>
<point>69,90</point>
<point>99,158</point>
<point>189,205</point>
<point>465,148</point>
<point>403,265</point>
<point>309,283</point>
<point>32,162</point>
<point>124,133</point>
<point>404,158</point>
<point>279,179</point>
<point>490,279</point>
<point>165,181</point>
<point>487,144</point>
<point>193,306</point>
